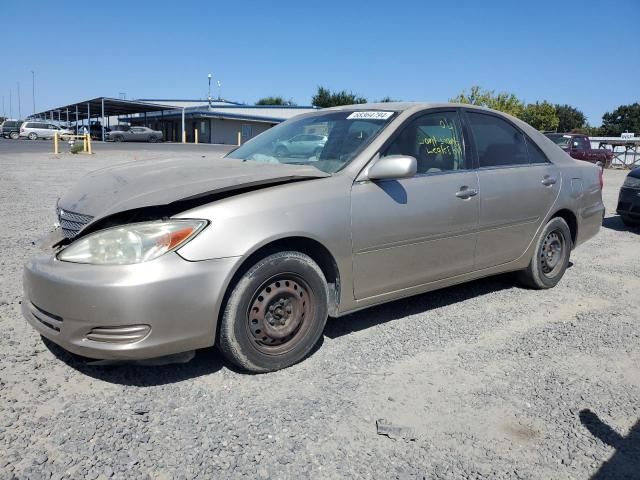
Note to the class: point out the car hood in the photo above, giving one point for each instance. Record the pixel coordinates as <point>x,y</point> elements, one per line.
<point>635,173</point>
<point>162,182</point>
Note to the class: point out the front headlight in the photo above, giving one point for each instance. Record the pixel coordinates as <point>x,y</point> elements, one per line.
<point>631,182</point>
<point>133,243</point>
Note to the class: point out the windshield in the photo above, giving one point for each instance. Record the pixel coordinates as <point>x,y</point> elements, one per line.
<point>327,141</point>
<point>560,140</point>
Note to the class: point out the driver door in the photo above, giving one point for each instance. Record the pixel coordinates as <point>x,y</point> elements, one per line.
<point>412,231</point>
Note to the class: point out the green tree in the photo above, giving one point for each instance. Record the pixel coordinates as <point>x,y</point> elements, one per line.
<point>503,101</point>
<point>625,118</point>
<point>541,116</point>
<point>274,101</point>
<point>325,98</point>
<point>388,99</point>
<point>570,119</point>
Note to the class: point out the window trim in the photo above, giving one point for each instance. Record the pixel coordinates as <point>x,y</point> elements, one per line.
<point>472,140</point>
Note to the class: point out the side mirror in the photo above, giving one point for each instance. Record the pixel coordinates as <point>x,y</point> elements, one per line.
<point>393,166</point>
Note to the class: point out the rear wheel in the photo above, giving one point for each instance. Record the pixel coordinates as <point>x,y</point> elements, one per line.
<point>275,314</point>
<point>118,138</point>
<point>551,257</point>
<point>33,136</point>
<point>14,135</point>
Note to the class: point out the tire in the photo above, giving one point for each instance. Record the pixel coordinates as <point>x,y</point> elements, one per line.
<point>281,151</point>
<point>118,138</point>
<point>14,135</point>
<point>551,256</point>
<point>275,313</point>
<point>33,136</point>
<point>629,222</point>
<point>152,139</point>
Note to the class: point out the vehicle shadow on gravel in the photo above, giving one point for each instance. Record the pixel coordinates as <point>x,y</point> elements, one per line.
<point>615,223</point>
<point>337,327</point>
<point>625,462</point>
<point>205,362</point>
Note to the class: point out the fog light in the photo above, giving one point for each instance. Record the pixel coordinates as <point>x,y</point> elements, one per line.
<point>126,334</point>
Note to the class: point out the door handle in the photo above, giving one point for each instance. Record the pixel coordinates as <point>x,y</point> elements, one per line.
<point>466,192</point>
<point>547,181</point>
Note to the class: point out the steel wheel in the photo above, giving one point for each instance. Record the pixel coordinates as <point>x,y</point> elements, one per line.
<point>552,253</point>
<point>277,314</point>
<point>550,258</point>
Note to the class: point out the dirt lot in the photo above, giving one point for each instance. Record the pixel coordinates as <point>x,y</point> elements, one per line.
<point>497,381</point>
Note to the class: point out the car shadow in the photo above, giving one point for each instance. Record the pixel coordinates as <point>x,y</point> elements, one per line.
<point>625,462</point>
<point>139,374</point>
<point>615,223</point>
<point>388,312</point>
<point>209,360</point>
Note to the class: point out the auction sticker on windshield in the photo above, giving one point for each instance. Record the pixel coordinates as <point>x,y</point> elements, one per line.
<point>369,115</point>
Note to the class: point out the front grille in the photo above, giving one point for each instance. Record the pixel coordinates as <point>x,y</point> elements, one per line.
<point>72,222</point>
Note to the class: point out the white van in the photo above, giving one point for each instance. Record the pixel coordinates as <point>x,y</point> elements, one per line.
<point>34,130</point>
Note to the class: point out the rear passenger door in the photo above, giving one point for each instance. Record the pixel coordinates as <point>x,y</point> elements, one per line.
<point>517,184</point>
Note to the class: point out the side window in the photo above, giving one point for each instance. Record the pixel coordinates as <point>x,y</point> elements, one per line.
<point>535,154</point>
<point>583,144</point>
<point>435,140</point>
<point>497,141</point>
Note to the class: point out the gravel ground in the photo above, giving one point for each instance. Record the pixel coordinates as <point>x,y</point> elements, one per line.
<point>496,381</point>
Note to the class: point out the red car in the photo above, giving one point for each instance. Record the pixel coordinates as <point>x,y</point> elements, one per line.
<point>579,147</point>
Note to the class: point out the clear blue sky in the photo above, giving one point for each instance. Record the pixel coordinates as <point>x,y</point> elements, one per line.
<point>577,52</point>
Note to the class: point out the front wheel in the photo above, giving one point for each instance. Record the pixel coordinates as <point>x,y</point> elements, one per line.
<point>275,314</point>
<point>14,135</point>
<point>152,139</point>
<point>551,256</point>
<point>33,136</point>
<point>118,138</point>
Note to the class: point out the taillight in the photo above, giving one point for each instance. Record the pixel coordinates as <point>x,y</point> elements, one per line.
<point>22,130</point>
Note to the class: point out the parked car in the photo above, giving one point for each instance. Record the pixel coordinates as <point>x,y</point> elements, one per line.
<point>253,251</point>
<point>579,147</point>
<point>629,199</point>
<point>33,130</point>
<point>136,134</point>
<point>303,144</point>
<point>10,129</point>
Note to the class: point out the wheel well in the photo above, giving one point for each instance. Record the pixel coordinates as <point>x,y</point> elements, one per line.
<point>569,217</point>
<point>308,246</point>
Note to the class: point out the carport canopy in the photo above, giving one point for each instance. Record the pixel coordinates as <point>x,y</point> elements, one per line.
<point>100,107</point>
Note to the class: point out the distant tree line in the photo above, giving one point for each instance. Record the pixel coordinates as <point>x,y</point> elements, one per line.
<point>541,115</point>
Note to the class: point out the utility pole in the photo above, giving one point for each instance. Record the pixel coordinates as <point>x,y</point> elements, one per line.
<point>33,90</point>
<point>19,110</point>
<point>4,112</point>
<point>10,105</point>
<point>219,90</point>
<point>209,77</point>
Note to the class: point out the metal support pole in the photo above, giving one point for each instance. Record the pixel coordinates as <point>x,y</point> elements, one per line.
<point>76,119</point>
<point>67,117</point>
<point>103,119</point>
<point>89,118</point>
<point>184,133</point>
